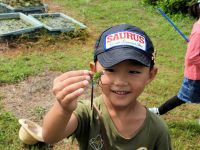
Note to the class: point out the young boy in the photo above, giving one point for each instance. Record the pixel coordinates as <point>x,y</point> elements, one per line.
<point>117,121</point>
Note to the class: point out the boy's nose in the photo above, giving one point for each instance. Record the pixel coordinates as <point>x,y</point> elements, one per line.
<point>120,80</point>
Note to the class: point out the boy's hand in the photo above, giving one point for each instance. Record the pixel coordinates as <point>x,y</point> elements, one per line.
<point>69,86</point>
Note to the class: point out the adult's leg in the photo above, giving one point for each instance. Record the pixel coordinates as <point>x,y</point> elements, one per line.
<point>170,104</point>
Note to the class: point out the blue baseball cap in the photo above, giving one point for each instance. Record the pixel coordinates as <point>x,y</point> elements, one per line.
<point>123,42</point>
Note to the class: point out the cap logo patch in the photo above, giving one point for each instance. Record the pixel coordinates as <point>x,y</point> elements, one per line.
<point>125,38</point>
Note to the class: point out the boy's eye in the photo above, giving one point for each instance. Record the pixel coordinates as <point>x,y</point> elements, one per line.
<point>109,70</point>
<point>134,72</point>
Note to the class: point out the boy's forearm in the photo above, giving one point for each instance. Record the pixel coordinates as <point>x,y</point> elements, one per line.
<point>55,123</point>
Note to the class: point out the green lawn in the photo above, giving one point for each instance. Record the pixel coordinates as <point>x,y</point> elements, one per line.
<point>65,55</point>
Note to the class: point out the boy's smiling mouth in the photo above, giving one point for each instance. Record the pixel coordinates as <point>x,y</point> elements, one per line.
<point>120,92</point>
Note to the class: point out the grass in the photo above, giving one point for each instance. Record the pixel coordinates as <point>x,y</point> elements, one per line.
<point>185,132</point>
<point>39,111</point>
<point>18,68</point>
<point>64,55</point>
<point>9,127</point>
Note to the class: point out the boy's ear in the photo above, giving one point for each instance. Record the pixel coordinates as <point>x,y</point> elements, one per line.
<point>152,73</point>
<point>92,67</point>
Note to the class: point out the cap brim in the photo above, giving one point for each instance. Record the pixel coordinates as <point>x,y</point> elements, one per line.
<point>113,57</point>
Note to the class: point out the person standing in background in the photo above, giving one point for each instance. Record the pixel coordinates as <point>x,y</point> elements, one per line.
<point>190,89</point>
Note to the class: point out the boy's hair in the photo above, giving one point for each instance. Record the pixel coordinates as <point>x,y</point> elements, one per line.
<point>194,10</point>
<point>124,42</point>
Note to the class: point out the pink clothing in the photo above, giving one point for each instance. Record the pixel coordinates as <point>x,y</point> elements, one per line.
<point>192,57</point>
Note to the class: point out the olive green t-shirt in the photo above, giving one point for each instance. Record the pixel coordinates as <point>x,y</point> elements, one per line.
<point>152,135</point>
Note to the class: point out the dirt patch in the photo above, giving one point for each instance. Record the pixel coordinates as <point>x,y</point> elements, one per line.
<point>32,97</point>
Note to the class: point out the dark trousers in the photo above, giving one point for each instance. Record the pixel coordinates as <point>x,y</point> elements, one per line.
<point>170,104</point>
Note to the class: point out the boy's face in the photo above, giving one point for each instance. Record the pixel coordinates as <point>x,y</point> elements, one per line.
<point>124,82</point>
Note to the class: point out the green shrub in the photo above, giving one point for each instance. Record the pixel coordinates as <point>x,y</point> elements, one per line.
<point>171,6</point>
<point>174,6</point>
<point>151,2</point>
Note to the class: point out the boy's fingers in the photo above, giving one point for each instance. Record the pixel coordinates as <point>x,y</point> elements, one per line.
<point>71,74</point>
<point>70,89</point>
<point>70,99</point>
<point>61,85</point>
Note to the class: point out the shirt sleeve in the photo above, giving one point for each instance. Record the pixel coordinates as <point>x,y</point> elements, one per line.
<point>164,142</point>
<point>83,115</point>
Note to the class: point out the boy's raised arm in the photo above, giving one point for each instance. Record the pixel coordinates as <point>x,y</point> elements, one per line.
<point>60,121</point>
<point>57,124</point>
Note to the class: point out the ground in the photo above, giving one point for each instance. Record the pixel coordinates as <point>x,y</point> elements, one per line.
<point>32,97</point>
